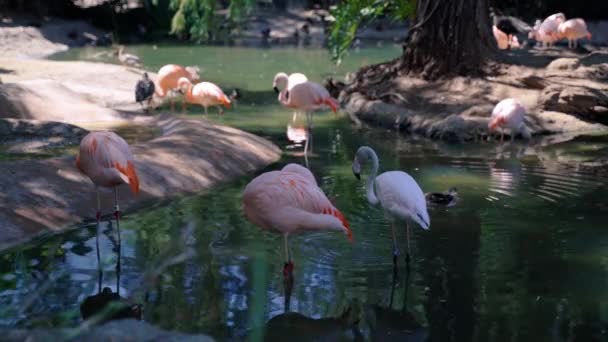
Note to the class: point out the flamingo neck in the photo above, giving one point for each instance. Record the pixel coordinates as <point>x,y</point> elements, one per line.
<point>371,180</point>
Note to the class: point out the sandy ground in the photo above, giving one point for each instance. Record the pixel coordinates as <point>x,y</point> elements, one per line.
<point>47,196</point>
<point>563,91</point>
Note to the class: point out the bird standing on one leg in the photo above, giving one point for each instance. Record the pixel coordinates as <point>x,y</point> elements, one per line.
<point>107,160</point>
<point>289,201</point>
<point>397,193</point>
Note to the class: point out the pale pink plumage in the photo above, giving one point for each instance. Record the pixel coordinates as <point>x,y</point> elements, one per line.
<point>573,30</point>
<point>168,76</point>
<point>289,201</point>
<point>107,160</point>
<point>308,96</point>
<point>204,93</point>
<point>502,39</point>
<point>509,113</point>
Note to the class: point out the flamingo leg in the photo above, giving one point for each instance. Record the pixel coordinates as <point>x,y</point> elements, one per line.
<point>183,106</point>
<point>221,110</point>
<point>288,268</point>
<point>117,215</point>
<point>294,117</point>
<point>395,248</point>
<point>512,136</point>
<point>407,255</point>
<point>98,228</point>
<point>206,112</point>
<point>172,102</point>
<point>502,135</point>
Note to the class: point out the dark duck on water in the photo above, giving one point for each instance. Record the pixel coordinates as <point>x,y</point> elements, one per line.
<point>144,90</point>
<point>447,198</point>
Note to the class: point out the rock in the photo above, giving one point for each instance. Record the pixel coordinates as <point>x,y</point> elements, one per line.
<point>51,195</point>
<point>564,64</point>
<point>573,99</point>
<point>11,128</point>
<point>122,330</point>
<point>533,81</point>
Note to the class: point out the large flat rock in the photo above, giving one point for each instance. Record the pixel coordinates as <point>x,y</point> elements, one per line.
<point>46,196</point>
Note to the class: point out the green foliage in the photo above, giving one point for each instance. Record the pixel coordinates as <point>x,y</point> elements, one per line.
<point>349,15</point>
<point>198,19</point>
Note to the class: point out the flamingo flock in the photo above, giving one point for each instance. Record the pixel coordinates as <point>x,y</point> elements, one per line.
<point>548,31</point>
<point>289,201</point>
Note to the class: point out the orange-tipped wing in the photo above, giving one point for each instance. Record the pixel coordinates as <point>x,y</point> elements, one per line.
<point>107,159</point>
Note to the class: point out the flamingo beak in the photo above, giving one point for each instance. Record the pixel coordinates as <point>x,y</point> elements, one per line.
<point>276,90</point>
<point>358,175</point>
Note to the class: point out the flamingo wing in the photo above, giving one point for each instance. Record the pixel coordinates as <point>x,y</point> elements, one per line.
<point>288,201</point>
<point>311,96</point>
<point>108,160</point>
<point>401,197</point>
<point>211,93</point>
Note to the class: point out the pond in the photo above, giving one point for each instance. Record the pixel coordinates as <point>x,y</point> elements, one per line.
<point>523,255</point>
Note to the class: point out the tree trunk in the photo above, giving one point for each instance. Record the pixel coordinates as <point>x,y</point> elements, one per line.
<point>448,37</point>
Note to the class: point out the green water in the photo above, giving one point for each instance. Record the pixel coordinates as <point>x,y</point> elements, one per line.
<point>522,256</point>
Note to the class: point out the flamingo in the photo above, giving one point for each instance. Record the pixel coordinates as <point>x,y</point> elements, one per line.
<point>307,96</point>
<point>573,30</point>
<point>503,40</point>
<point>204,93</point>
<point>509,113</point>
<point>289,201</point>
<point>282,81</point>
<point>167,79</point>
<point>397,193</point>
<point>107,160</point>
<point>127,58</point>
<point>144,90</point>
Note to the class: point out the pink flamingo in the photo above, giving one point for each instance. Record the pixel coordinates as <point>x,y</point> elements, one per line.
<point>307,96</point>
<point>204,93</point>
<point>167,79</point>
<point>509,113</point>
<point>107,160</point>
<point>282,81</point>
<point>289,201</point>
<point>503,40</point>
<point>573,30</point>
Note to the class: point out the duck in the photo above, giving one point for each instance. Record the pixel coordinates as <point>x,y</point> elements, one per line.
<point>127,58</point>
<point>447,198</point>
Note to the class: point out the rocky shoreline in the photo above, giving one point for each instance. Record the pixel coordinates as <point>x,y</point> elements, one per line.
<point>564,96</point>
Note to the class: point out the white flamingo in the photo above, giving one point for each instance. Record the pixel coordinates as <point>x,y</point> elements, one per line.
<point>397,193</point>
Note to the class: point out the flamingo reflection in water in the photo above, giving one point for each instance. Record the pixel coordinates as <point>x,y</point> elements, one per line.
<point>107,160</point>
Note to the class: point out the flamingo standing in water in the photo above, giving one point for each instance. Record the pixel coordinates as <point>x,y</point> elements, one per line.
<point>289,201</point>
<point>204,93</point>
<point>282,81</point>
<point>107,160</point>
<point>307,96</point>
<point>167,79</point>
<point>397,193</point>
<point>509,113</point>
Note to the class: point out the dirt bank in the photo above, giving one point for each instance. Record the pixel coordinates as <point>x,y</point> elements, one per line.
<point>562,95</point>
